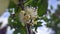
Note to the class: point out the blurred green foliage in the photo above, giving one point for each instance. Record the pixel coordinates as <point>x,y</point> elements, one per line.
<point>42,7</point>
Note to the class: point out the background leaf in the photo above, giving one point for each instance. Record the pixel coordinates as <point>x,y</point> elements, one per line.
<point>42,7</point>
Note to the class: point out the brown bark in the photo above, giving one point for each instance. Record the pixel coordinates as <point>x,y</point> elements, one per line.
<point>28,28</point>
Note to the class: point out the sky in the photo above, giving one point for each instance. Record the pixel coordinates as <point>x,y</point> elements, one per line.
<point>41,30</point>
<point>4,18</point>
<point>54,5</point>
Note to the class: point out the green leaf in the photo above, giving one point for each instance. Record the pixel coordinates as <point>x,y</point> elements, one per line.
<point>34,3</point>
<point>49,25</point>
<point>38,24</point>
<point>28,2</point>
<point>42,7</point>
<point>21,30</point>
<point>16,24</point>
<point>17,10</point>
<point>15,32</point>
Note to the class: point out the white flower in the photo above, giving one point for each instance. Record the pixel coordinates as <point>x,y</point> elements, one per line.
<point>28,14</point>
<point>31,11</point>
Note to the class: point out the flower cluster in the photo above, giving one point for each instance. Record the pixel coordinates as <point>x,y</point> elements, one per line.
<point>28,16</point>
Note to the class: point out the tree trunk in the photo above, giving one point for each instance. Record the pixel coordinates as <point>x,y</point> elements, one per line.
<point>28,28</point>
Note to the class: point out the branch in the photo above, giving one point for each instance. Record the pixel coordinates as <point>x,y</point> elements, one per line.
<point>28,28</point>
<point>21,4</point>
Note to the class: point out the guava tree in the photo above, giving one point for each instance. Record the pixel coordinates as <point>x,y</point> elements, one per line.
<point>24,15</point>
